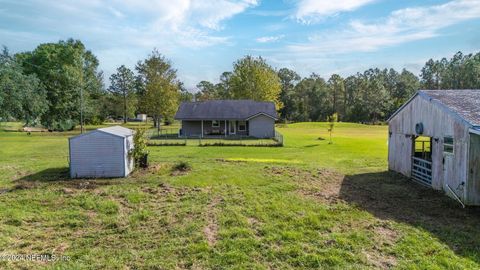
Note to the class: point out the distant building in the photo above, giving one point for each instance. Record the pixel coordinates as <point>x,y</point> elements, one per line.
<point>217,118</point>
<point>434,138</point>
<point>101,153</point>
<point>142,117</point>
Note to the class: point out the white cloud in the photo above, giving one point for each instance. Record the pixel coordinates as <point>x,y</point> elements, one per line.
<point>121,31</point>
<point>309,11</point>
<point>269,39</point>
<point>401,26</point>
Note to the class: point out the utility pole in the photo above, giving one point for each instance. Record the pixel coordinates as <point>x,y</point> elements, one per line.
<point>81,109</point>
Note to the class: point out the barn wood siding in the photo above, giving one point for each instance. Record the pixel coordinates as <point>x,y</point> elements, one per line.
<point>438,122</point>
<point>473,184</point>
<point>97,154</point>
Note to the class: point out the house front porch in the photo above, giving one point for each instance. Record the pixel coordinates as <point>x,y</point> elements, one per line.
<point>214,128</point>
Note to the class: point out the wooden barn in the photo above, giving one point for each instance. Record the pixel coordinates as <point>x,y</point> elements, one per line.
<point>101,153</point>
<point>434,138</point>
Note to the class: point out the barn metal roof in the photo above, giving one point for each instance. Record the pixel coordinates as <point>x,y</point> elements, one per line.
<point>225,110</point>
<point>464,103</point>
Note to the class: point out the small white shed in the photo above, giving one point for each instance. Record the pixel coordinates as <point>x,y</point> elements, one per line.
<point>142,117</point>
<point>101,153</point>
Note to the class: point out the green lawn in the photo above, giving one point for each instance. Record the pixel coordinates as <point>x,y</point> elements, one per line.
<point>309,204</point>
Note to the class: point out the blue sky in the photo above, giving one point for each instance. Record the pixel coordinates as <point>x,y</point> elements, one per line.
<point>204,37</point>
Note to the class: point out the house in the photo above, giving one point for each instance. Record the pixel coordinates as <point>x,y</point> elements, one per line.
<point>101,153</point>
<point>217,118</point>
<point>434,138</point>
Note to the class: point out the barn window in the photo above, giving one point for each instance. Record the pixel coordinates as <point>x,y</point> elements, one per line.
<point>242,125</point>
<point>448,145</point>
<point>215,123</point>
<point>423,147</point>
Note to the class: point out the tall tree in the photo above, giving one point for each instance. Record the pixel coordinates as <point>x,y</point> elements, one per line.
<point>207,91</point>
<point>122,84</point>
<point>21,96</point>
<point>288,80</point>
<point>71,79</point>
<point>161,85</point>
<point>185,95</point>
<point>253,78</point>
<point>337,95</point>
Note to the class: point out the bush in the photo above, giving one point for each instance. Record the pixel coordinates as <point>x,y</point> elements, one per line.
<point>182,166</point>
<point>139,151</point>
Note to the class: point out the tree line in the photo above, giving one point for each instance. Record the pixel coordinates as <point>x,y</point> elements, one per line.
<point>59,85</point>
<point>370,97</point>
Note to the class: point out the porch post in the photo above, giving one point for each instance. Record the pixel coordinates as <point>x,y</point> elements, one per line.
<point>225,129</point>
<point>201,136</point>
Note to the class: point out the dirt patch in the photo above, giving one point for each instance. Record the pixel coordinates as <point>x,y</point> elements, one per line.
<point>321,184</point>
<point>164,189</point>
<point>380,261</point>
<point>384,234</point>
<point>24,185</point>
<point>61,248</point>
<point>211,229</point>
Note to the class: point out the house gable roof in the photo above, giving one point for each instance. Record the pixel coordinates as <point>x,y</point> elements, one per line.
<point>225,110</point>
<point>463,103</point>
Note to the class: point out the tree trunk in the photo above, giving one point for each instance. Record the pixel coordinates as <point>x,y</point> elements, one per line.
<point>124,108</point>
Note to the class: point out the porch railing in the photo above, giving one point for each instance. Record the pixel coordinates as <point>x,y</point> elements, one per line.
<point>278,138</point>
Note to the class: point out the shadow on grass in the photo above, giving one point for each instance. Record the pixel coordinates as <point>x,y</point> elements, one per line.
<point>48,175</point>
<point>390,196</point>
<point>61,177</point>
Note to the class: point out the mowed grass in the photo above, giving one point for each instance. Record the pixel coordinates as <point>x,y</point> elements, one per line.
<point>309,204</point>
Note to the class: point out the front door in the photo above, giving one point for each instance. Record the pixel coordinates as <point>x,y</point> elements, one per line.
<point>232,127</point>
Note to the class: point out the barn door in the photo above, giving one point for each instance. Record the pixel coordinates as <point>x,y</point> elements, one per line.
<point>452,185</point>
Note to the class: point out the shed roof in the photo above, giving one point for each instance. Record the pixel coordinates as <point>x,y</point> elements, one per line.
<point>118,131</point>
<point>225,110</point>
<point>115,130</point>
<point>464,103</point>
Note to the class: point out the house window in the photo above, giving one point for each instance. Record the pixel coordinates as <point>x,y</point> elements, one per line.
<point>215,124</point>
<point>242,125</point>
<point>448,145</point>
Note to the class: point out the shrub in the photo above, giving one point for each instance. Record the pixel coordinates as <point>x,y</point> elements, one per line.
<point>182,166</point>
<point>139,150</point>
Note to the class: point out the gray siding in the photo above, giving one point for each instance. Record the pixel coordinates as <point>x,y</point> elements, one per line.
<point>191,128</point>
<point>98,154</point>
<point>438,122</point>
<point>261,126</point>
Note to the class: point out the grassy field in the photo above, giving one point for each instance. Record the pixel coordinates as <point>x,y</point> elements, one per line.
<point>309,204</point>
